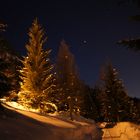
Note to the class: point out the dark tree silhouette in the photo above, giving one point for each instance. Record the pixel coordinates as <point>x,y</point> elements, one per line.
<point>131,43</point>
<point>89,108</point>
<point>9,61</point>
<point>68,81</point>
<point>116,104</point>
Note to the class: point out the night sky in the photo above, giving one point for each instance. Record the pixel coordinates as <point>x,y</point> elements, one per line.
<point>90,28</point>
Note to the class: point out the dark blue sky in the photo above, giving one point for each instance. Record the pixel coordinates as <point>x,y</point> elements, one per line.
<point>100,23</point>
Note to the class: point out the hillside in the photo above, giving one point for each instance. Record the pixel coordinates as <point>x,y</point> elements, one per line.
<point>18,124</point>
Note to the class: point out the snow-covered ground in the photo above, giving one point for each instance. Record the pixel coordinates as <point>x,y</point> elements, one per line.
<point>122,131</point>
<point>23,124</point>
<point>28,125</point>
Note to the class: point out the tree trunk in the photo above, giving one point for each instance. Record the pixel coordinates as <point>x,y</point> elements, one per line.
<point>70,107</point>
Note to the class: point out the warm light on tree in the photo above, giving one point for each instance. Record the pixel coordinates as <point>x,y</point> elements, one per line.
<point>37,70</point>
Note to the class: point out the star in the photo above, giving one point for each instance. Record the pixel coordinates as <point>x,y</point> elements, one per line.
<point>85,42</point>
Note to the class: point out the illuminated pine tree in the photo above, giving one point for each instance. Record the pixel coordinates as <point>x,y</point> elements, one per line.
<point>37,70</point>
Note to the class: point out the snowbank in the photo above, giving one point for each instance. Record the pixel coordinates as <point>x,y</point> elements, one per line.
<point>122,131</point>
<point>34,126</point>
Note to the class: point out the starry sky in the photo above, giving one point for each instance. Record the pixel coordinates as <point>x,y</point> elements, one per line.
<point>91,28</point>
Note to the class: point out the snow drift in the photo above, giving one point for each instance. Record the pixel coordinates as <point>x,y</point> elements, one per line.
<point>122,131</point>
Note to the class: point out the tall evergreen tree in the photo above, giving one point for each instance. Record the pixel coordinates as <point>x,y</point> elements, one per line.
<point>37,70</point>
<point>114,97</point>
<point>68,81</point>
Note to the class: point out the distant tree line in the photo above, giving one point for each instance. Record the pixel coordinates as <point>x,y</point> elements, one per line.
<point>36,82</point>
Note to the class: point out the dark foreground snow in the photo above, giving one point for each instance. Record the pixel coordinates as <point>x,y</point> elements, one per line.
<point>25,125</point>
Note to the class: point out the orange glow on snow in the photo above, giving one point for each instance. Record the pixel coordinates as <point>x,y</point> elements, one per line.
<point>48,120</point>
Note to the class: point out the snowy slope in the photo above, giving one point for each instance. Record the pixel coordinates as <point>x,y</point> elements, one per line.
<point>27,125</point>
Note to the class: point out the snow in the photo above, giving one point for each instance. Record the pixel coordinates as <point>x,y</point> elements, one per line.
<point>31,125</point>
<point>23,124</point>
<point>122,131</point>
